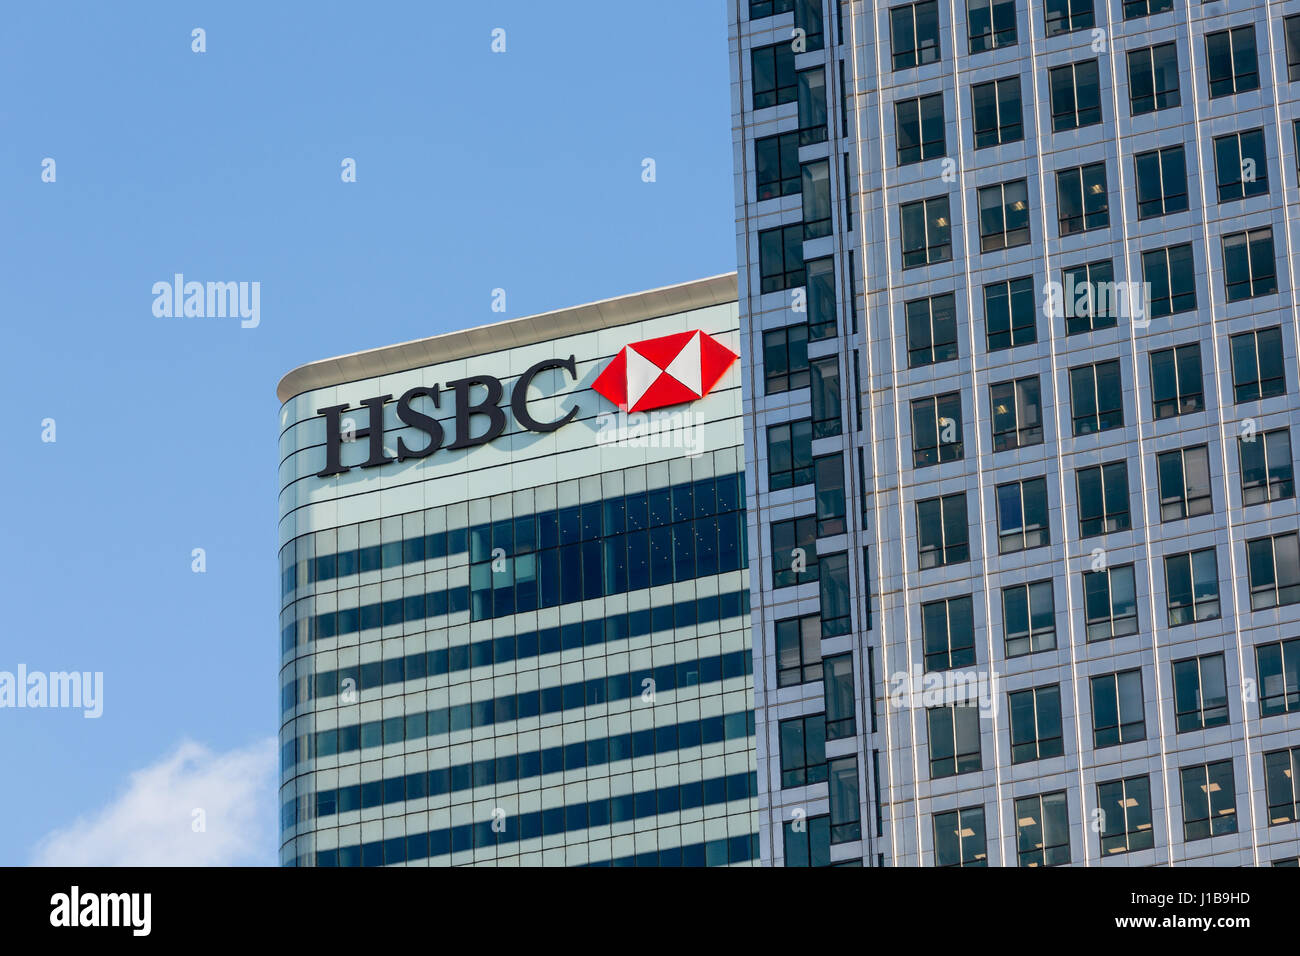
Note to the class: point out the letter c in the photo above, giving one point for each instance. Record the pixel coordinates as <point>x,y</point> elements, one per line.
<point>519,395</point>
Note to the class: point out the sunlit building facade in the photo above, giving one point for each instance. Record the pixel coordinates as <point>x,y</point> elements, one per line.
<point>515,625</point>
<point>1020,338</point>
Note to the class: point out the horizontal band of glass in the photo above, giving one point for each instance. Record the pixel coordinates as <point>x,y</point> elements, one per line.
<point>525,766</point>
<point>737,849</point>
<point>547,700</point>
<point>617,564</point>
<point>527,826</point>
<point>522,646</point>
<point>524,534</point>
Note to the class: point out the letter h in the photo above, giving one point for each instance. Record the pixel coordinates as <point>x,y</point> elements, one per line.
<point>334,438</point>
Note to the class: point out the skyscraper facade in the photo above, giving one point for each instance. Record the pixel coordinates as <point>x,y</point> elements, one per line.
<point>1019,337</point>
<point>515,619</point>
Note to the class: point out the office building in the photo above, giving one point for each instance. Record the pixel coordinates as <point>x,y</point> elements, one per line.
<point>515,620</point>
<point>1019,334</point>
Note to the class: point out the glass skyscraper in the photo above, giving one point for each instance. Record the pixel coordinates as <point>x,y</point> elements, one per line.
<point>515,624</point>
<point>1020,344</point>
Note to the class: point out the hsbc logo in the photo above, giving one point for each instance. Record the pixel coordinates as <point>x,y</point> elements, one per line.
<point>656,373</point>
<point>669,370</point>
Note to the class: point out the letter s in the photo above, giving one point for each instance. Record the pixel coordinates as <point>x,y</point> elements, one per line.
<point>425,423</point>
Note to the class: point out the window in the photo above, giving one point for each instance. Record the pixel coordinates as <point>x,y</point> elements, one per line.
<point>1117,709</point>
<point>954,733</point>
<point>1028,618</point>
<point>1134,9</point>
<point>936,430</point>
<point>1192,586</point>
<point>816,199</point>
<point>780,257</point>
<point>1017,413</point>
<point>794,551</point>
<point>1082,202</point>
<point>996,112</point>
<point>1110,602</point>
<point>1200,693</point>
<point>1161,182</point>
<point>1170,274</point>
<point>1274,564</point>
<point>959,838</point>
<point>789,454</point>
<point>808,17</point>
<point>812,106</point>
<point>759,9</point>
<point>1103,499</point>
<point>1240,165</point>
<point>1209,800</point>
<point>1036,724</point>
<point>773,75</point>
<point>1292,27</point>
<point>846,813</point>
<point>1184,479</point>
<point>1249,268</point>
<point>836,598</point>
<point>808,841</point>
<point>1176,384</point>
<point>1125,815</point>
<point>914,34</point>
<point>990,24</point>
<point>825,394</point>
<point>1022,515</point>
<point>1232,61</point>
<point>1257,370</point>
<point>926,232</point>
<point>803,751</point>
<point>820,281</point>
<point>1267,470</point>
<point>948,633</point>
<point>918,125</point>
<point>776,162</point>
<point>1096,398</point>
<point>1278,665</point>
<point>1009,314</point>
<point>1153,78</point>
<point>828,482</point>
<point>1076,95</point>
<point>931,330</point>
<point>1043,830</point>
<point>785,358</point>
<point>1004,215</point>
<point>942,532</point>
<point>1089,293</point>
<point>1281,771</point>
<point>798,650</point>
<point>838,674</point>
<point>1066,16</point>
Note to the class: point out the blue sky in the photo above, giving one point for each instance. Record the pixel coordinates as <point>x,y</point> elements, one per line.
<point>475,171</point>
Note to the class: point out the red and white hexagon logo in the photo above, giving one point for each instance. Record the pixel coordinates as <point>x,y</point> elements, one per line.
<point>669,370</point>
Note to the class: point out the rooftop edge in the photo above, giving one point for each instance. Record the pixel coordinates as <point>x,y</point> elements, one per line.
<point>527,330</point>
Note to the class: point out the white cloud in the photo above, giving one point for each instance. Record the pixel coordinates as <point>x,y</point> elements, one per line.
<point>152,823</point>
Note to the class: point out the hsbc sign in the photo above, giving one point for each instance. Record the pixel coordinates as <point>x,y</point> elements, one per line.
<point>669,370</point>
<point>656,373</point>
